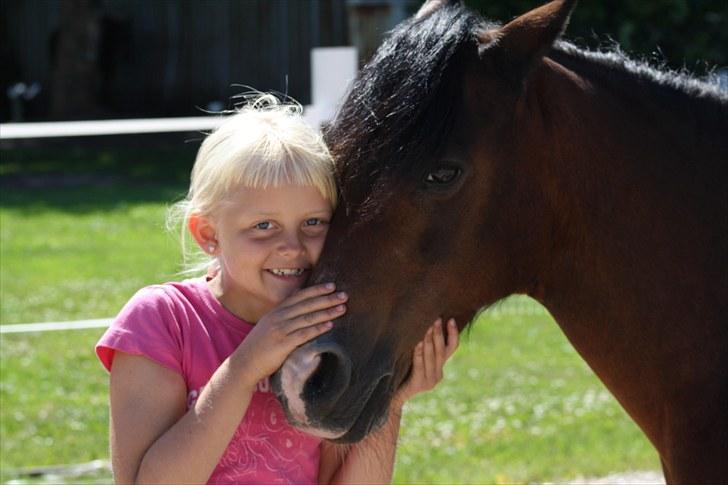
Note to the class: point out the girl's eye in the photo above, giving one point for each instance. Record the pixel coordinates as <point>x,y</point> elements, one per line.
<point>314,221</point>
<point>265,225</point>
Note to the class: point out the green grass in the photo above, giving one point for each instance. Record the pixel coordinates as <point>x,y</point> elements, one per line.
<point>517,404</point>
<point>54,400</point>
<point>82,260</point>
<point>81,232</point>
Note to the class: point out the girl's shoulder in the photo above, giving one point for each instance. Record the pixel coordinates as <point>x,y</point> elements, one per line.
<point>171,295</point>
<point>163,306</point>
<point>186,301</point>
<point>156,322</point>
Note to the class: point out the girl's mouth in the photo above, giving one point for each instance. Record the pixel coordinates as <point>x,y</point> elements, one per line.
<point>287,273</point>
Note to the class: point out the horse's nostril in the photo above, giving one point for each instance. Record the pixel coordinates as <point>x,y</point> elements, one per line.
<point>325,372</point>
<point>330,378</point>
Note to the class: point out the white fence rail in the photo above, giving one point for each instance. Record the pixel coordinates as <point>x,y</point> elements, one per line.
<point>14,131</point>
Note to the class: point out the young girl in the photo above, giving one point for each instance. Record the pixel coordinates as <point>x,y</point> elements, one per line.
<point>189,361</point>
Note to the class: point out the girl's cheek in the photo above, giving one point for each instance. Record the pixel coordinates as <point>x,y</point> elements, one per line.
<point>257,243</point>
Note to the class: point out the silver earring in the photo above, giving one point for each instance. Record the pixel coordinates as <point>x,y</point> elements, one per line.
<point>211,248</point>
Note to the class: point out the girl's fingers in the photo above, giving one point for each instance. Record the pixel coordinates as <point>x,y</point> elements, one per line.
<point>418,363</point>
<point>314,318</point>
<point>438,339</point>
<point>303,335</point>
<point>309,292</point>
<point>313,304</point>
<point>429,357</point>
<point>453,338</point>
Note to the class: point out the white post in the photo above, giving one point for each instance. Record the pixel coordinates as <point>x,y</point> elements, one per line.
<point>332,71</point>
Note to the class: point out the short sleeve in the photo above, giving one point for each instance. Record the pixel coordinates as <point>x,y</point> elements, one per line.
<point>148,326</point>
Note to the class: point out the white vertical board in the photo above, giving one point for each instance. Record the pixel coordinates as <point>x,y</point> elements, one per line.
<point>332,71</point>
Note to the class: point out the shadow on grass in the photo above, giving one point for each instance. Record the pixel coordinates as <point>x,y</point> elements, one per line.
<point>88,198</point>
<point>93,176</point>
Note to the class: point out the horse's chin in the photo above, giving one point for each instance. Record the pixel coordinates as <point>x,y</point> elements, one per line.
<point>322,433</point>
<point>362,427</point>
<point>365,423</point>
<point>354,428</point>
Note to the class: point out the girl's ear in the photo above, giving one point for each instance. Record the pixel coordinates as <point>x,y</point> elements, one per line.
<point>204,233</point>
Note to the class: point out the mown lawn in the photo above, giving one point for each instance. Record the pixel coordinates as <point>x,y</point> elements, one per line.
<point>517,404</point>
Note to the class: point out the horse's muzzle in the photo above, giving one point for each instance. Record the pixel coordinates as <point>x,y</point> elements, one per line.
<point>319,395</point>
<point>310,383</point>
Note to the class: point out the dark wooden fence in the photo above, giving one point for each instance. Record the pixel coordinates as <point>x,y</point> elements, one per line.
<point>164,57</point>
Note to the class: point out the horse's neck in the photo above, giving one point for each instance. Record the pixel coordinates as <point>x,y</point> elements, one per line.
<point>655,109</point>
<point>631,182</point>
<point>633,254</point>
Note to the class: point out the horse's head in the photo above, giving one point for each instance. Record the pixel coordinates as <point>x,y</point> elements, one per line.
<point>428,153</point>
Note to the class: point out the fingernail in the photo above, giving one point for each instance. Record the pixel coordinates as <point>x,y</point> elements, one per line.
<point>451,322</point>
<point>438,322</point>
<point>340,308</point>
<point>329,324</point>
<point>330,286</point>
<point>342,295</point>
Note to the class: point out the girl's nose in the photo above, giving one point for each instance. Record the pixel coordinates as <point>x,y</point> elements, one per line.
<point>291,245</point>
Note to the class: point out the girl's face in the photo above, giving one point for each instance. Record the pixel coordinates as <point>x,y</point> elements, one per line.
<point>268,240</point>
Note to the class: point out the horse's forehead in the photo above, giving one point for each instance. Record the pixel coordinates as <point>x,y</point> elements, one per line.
<point>400,110</point>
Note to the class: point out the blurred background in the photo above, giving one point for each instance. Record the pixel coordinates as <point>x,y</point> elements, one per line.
<point>86,59</point>
<point>82,223</point>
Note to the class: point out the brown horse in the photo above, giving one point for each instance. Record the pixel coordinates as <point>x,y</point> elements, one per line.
<point>477,161</point>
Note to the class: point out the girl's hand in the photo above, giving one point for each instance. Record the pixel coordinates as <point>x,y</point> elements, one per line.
<point>428,359</point>
<point>299,318</point>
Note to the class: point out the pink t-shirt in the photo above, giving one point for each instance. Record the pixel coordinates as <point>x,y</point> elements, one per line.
<point>183,327</point>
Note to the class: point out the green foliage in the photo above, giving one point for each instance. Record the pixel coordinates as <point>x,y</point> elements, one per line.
<point>680,33</point>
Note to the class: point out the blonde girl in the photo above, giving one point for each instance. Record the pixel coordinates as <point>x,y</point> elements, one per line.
<point>189,361</point>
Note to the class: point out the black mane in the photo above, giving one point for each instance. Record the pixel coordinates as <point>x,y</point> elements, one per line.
<point>617,61</point>
<point>402,96</point>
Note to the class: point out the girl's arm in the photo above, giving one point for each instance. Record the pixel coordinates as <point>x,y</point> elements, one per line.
<point>155,439</point>
<point>372,459</point>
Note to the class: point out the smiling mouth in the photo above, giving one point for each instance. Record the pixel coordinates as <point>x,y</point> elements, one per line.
<point>287,271</point>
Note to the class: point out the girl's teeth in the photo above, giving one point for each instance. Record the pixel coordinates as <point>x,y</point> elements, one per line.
<point>287,272</point>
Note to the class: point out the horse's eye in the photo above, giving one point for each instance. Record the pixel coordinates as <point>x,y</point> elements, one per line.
<point>442,175</point>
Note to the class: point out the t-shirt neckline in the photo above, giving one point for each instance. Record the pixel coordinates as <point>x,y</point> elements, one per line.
<point>217,309</point>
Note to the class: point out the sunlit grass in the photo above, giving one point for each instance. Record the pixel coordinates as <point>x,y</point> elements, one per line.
<point>77,262</point>
<point>53,395</point>
<point>517,404</point>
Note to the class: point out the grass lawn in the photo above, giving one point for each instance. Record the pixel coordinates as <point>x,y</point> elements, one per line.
<point>517,404</point>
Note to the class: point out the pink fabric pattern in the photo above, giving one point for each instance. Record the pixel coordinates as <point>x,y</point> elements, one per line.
<point>183,327</point>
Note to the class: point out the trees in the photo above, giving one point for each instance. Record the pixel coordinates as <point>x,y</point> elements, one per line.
<point>679,33</point>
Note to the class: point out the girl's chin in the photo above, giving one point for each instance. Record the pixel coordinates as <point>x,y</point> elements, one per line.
<point>284,286</point>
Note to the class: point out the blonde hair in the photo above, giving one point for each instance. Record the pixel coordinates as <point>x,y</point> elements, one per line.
<point>265,143</point>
